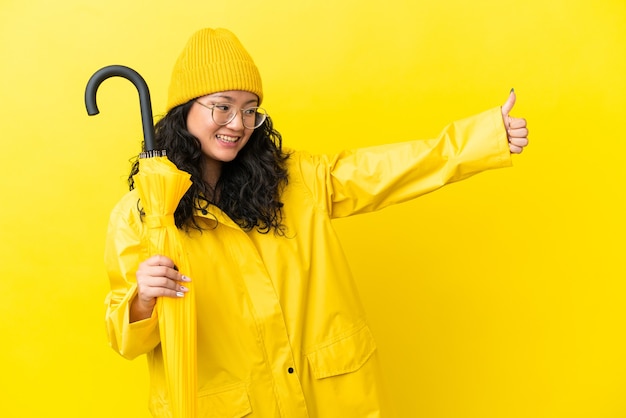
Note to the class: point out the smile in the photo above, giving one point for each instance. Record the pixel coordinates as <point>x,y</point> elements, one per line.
<point>226,138</point>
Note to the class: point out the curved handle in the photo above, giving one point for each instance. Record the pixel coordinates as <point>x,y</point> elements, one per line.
<point>144,97</point>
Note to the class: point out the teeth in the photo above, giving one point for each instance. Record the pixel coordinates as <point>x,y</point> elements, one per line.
<point>227,138</point>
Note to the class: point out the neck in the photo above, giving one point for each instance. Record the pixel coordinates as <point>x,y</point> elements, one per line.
<point>212,172</point>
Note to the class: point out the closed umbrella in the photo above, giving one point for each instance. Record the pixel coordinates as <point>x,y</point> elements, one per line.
<point>161,185</point>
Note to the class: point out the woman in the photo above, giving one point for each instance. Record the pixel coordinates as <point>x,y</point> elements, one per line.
<point>280,327</point>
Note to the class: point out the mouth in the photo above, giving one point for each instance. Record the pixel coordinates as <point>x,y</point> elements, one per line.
<point>227,139</point>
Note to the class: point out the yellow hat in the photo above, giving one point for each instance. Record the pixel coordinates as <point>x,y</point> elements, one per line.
<point>213,60</point>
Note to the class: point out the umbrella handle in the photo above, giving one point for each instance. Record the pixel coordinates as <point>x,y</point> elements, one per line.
<point>144,97</point>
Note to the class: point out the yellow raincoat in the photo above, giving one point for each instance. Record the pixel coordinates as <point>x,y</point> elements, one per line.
<point>281,329</point>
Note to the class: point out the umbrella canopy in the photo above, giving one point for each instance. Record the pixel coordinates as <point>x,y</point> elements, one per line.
<point>161,185</point>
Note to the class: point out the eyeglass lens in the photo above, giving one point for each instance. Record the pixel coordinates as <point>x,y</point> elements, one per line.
<point>253,117</point>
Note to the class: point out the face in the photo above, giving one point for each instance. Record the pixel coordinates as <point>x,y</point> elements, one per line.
<point>220,143</point>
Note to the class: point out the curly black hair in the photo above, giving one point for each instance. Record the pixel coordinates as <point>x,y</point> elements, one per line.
<point>249,187</point>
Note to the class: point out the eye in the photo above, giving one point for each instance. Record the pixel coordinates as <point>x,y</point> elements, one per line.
<point>223,107</point>
<point>250,111</point>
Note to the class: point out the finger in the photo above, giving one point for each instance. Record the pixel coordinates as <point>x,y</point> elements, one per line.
<point>169,286</point>
<point>508,105</point>
<point>515,149</point>
<point>161,266</point>
<point>168,283</point>
<point>150,287</point>
<point>520,142</point>
<point>160,260</point>
<point>164,282</point>
<point>164,271</point>
<point>160,275</point>
<point>516,123</point>
<point>149,293</point>
<point>147,271</point>
<point>517,133</point>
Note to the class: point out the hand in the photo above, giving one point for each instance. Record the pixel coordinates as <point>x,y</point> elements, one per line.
<point>516,130</point>
<point>156,277</point>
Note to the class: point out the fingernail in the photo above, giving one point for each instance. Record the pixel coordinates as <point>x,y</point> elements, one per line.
<point>185,278</point>
<point>184,289</point>
<point>180,294</point>
<point>512,90</point>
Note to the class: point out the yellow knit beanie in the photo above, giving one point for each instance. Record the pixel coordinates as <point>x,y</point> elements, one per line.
<point>213,60</point>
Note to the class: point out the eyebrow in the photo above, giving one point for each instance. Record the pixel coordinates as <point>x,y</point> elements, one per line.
<point>224,96</point>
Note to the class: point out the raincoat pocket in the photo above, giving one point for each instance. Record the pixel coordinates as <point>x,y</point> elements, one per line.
<point>345,355</point>
<point>226,402</point>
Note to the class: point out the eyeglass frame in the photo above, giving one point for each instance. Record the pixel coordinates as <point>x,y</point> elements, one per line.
<point>234,114</point>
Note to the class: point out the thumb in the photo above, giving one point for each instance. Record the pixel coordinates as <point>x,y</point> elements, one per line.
<point>510,102</point>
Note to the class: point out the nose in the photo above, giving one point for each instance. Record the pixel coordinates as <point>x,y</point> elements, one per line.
<point>237,121</point>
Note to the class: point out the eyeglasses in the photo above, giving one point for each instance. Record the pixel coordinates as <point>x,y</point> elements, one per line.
<point>224,113</point>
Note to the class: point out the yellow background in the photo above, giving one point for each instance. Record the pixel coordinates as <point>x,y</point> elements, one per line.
<point>502,296</point>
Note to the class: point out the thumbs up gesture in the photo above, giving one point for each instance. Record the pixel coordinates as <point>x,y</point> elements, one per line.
<point>516,130</point>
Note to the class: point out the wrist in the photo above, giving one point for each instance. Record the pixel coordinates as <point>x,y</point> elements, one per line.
<point>140,310</point>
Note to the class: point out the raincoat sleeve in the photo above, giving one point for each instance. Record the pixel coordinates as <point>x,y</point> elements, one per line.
<point>368,179</point>
<point>123,253</point>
